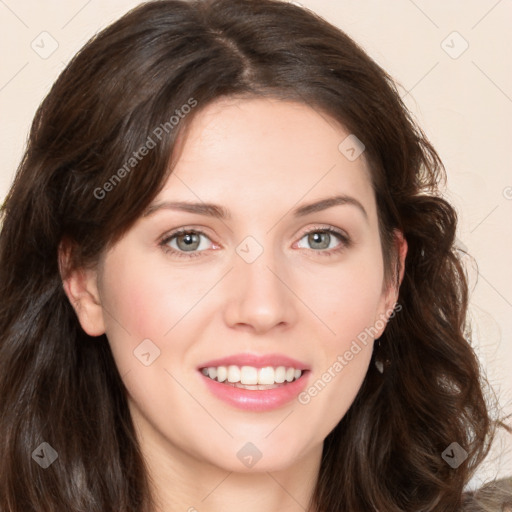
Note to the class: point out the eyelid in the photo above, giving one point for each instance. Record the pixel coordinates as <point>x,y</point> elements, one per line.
<point>325,227</point>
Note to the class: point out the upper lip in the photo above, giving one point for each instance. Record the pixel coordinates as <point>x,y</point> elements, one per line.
<point>256,360</point>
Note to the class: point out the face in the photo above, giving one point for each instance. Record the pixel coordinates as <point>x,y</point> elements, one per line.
<point>270,278</point>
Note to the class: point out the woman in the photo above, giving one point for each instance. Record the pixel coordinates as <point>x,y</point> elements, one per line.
<point>228,279</point>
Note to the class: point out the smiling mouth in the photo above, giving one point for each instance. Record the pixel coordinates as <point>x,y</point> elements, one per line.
<point>251,378</point>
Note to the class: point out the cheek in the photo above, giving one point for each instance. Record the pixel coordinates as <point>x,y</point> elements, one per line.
<point>347,307</point>
<point>332,391</point>
<point>144,301</point>
<point>148,300</point>
<point>346,298</point>
<point>156,301</point>
<point>148,297</point>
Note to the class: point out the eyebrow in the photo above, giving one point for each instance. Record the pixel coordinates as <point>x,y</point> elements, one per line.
<point>219,212</point>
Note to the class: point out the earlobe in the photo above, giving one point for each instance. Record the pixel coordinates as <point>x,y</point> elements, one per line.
<point>81,288</point>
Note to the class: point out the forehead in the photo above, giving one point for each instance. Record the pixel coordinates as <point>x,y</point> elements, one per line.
<point>265,151</point>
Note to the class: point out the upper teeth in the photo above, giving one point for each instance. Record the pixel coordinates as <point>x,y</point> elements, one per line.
<point>252,375</point>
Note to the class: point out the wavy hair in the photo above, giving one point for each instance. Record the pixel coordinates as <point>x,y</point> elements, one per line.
<point>59,385</point>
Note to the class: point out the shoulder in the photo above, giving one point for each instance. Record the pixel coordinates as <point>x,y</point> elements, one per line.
<point>495,496</point>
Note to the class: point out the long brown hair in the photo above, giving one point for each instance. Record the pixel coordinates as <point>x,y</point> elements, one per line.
<point>129,84</point>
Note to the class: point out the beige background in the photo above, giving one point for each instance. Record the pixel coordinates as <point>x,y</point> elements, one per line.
<point>462,97</point>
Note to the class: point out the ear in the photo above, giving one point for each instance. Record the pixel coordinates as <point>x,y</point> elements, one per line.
<point>390,294</point>
<point>401,251</point>
<point>81,288</point>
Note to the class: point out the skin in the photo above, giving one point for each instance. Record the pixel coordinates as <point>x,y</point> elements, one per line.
<point>260,159</point>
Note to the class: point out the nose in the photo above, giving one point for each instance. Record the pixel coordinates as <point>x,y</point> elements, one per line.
<point>260,294</point>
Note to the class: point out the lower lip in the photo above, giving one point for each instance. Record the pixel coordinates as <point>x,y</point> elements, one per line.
<point>257,400</point>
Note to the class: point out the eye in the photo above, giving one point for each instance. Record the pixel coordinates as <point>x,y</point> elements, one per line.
<point>188,242</point>
<point>320,239</point>
<point>184,242</point>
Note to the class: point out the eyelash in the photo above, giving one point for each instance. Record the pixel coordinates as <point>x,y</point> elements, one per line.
<point>345,241</point>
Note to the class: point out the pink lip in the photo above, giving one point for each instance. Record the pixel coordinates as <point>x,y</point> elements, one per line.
<point>258,361</point>
<point>257,400</point>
